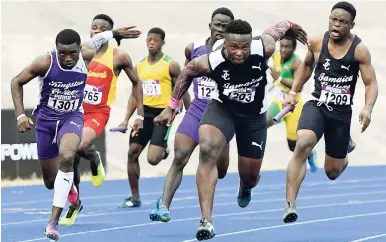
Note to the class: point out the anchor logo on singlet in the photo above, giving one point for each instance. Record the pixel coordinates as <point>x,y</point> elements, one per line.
<point>226,75</point>
<point>327,65</point>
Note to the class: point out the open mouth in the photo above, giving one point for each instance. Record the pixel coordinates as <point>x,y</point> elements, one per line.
<point>219,36</point>
<point>335,33</point>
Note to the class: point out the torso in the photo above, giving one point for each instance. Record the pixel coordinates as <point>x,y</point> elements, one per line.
<point>242,87</point>
<point>336,77</point>
<point>61,90</point>
<point>101,85</point>
<point>157,83</point>
<point>203,87</point>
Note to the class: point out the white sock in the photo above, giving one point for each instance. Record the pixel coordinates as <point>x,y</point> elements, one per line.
<point>62,187</point>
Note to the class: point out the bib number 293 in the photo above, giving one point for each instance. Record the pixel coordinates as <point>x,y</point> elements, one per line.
<point>243,97</point>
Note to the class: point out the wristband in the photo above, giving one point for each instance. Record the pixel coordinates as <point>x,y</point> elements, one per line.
<point>292,93</point>
<point>173,103</point>
<point>139,117</point>
<point>20,116</point>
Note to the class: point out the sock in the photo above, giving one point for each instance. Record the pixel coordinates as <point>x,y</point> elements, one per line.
<point>62,186</point>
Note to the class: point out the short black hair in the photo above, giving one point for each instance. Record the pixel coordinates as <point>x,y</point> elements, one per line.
<point>106,18</point>
<point>67,37</point>
<point>223,11</point>
<point>346,6</point>
<point>287,37</point>
<point>238,27</point>
<point>159,31</point>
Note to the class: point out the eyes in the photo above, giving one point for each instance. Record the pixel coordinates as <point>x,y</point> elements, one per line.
<point>244,48</point>
<point>62,54</point>
<point>335,19</point>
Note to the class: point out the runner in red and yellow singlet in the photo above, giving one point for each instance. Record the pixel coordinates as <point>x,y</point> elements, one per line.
<point>99,94</point>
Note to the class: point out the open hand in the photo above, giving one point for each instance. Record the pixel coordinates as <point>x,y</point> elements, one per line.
<point>298,33</point>
<point>165,117</point>
<point>126,33</point>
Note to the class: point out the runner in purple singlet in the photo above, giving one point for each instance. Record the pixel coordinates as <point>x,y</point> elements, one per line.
<point>186,138</point>
<point>62,76</point>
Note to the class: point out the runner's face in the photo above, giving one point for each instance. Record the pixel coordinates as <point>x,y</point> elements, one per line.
<point>99,26</point>
<point>238,47</point>
<point>218,24</point>
<point>286,48</point>
<point>340,23</point>
<point>154,43</point>
<point>68,55</point>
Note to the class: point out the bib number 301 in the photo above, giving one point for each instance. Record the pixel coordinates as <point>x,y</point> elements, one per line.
<point>63,105</point>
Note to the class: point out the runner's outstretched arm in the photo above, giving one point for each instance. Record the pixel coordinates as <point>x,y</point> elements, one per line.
<point>38,67</point>
<point>195,68</point>
<point>363,56</point>
<point>90,46</point>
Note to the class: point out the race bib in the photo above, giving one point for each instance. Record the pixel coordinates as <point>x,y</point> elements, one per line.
<point>63,105</point>
<point>242,95</point>
<point>151,87</point>
<point>92,94</point>
<point>206,88</point>
<point>335,95</point>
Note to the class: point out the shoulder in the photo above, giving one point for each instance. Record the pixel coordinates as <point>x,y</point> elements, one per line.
<point>215,58</point>
<point>168,59</point>
<point>315,43</point>
<point>121,57</point>
<point>41,64</point>
<point>362,53</point>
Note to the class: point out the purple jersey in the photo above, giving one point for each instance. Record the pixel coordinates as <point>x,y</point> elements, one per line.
<point>61,91</point>
<point>204,88</point>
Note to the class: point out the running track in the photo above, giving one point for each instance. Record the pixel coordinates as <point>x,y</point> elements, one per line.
<point>353,208</point>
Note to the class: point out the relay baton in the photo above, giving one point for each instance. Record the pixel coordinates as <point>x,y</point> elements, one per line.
<point>283,112</point>
<point>118,129</point>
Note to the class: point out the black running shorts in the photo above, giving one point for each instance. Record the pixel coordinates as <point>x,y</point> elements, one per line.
<point>333,124</point>
<point>156,134</point>
<point>250,130</point>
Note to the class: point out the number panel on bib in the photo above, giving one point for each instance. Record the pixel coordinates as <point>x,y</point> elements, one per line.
<point>207,88</point>
<point>242,95</point>
<point>151,87</point>
<point>63,105</point>
<point>92,94</point>
<point>335,95</point>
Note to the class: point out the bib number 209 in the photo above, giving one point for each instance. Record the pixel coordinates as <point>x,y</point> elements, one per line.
<point>335,98</point>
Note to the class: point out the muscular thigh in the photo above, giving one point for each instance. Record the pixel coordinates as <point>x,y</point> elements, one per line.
<point>217,115</point>
<point>312,118</point>
<point>251,135</point>
<point>337,138</point>
<point>70,132</point>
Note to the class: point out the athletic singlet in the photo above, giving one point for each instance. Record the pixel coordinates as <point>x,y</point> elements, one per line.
<point>204,88</point>
<point>101,85</point>
<point>335,80</point>
<point>285,70</point>
<point>61,90</point>
<point>242,87</point>
<point>157,83</point>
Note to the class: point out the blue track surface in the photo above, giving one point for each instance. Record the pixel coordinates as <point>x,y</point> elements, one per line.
<point>350,208</point>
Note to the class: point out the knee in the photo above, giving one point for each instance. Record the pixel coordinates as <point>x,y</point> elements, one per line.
<point>133,153</point>
<point>303,145</point>
<point>181,158</point>
<point>222,173</point>
<point>332,173</point>
<point>291,145</point>
<point>66,161</point>
<point>82,149</point>
<point>49,183</point>
<point>208,150</point>
<point>153,159</point>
